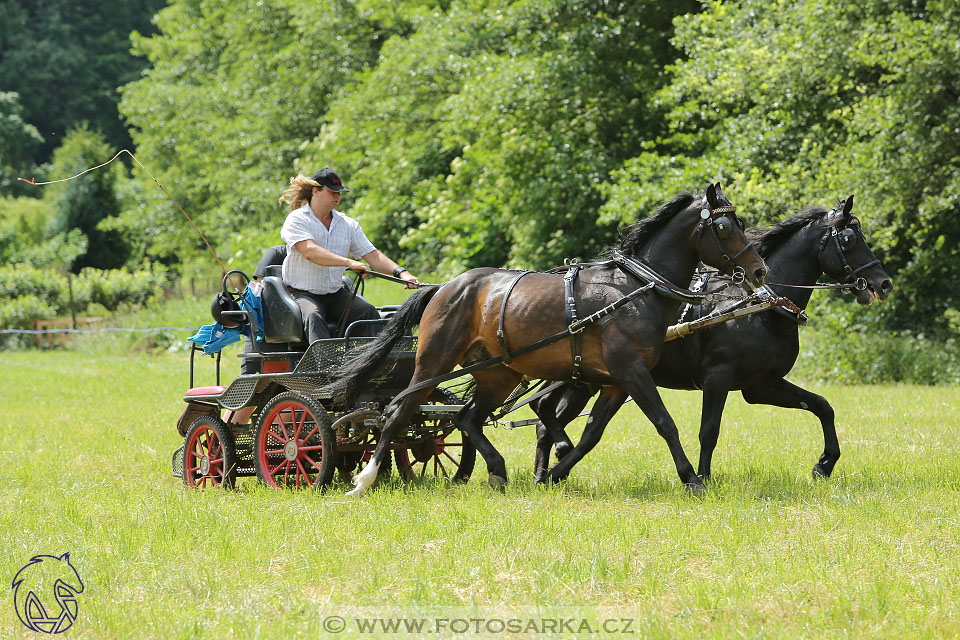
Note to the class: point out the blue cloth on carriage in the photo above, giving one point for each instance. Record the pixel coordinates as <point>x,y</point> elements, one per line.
<point>250,301</point>
<point>214,337</point>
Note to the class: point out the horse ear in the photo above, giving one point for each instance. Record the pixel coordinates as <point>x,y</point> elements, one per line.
<point>66,556</point>
<point>848,206</point>
<point>712,195</point>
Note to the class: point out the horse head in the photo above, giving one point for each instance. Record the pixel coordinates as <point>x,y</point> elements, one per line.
<point>43,581</point>
<point>721,241</point>
<point>845,255</point>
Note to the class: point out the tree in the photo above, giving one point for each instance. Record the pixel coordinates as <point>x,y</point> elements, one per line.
<point>482,138</point>
<point>66,58</point>
<point>82,204</point>
<point>233,92</point>
<point>808,100</point>
<point>18,143</point>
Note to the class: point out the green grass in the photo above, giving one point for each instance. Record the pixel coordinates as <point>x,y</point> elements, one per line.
<point>872,552</point>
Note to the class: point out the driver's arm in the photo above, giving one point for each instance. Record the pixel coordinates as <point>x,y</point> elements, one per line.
<point>325,258</point>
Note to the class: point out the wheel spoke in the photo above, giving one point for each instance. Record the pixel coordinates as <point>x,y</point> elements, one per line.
<point>313,447</point>
<point>283,427</point>
<point>303,421</point>
<point>437,462</point>
<point>313,431</point>
<point>452,459</point>
<point>276,469</point>
<point>218,460</point>
<point>306,477</point>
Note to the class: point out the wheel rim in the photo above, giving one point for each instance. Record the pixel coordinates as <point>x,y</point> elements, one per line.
<point>204,459</point>
<point>434,457</point>
<point>290,447</point>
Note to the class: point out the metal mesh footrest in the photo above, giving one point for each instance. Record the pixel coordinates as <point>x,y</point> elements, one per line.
<point>178,462</point>
<point>324,354</point>
<point>238,394</point>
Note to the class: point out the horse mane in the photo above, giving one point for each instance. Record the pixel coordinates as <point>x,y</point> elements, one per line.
<point>634,236</point>
<point>766,241</point>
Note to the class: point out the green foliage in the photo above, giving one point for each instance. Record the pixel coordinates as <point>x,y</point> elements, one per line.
<point>81,204</point>
<point>483,137</point>
<point>18,144</point>
<point>803,101</point>
<point>23,223</point>
<point>30,293</point>
<point>233,92</point>
<point>66,59</point>
<point>851,344</point>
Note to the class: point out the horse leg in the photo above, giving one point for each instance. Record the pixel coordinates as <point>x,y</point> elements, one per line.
<point>401,415</point>
<point>571,403</point>
<point>550,428</point>
<point>781,393</point>
<point>493,387</point>
<point>716,386</point>
<point>606,406</point>
<point>641,387</point>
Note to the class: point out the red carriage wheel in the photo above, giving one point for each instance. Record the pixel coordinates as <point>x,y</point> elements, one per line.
<point>444,453</point>
<point>294,445</point>
<point>451,457</point>
<point>209,454</point>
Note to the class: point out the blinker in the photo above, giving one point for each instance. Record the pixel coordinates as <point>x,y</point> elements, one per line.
<point>847,237</point>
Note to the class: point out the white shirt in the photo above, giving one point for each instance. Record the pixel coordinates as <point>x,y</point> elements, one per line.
<point>344,237</point>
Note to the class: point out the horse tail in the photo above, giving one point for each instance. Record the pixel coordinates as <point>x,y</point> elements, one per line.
<point>364,363</point>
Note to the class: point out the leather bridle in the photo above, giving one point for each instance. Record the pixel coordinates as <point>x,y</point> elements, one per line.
<point>842,246</point>
<point>714,218</point>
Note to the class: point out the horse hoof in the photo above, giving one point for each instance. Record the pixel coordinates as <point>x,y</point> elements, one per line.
<point>706,479</point>
<point>820,473</point>
<point>695,489</point>
<point>497,482</point>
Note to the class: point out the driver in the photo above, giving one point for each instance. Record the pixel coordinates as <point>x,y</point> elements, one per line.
<point>319,240</point>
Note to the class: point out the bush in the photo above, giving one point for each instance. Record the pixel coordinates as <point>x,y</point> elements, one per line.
<point>29,293</point>
<point>848,344</point>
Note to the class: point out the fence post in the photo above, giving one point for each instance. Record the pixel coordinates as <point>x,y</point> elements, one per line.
<point>73,311</point>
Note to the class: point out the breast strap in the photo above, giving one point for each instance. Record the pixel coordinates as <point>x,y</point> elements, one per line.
<point>507,357</point>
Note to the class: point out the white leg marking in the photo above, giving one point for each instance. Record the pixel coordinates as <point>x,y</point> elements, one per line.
<point>364,479</point>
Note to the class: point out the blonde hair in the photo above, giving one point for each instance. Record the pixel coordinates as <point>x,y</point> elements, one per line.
<point>300,191</point>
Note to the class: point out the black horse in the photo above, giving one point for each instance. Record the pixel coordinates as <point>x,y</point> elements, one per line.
<point>751,354</point>
<point>485,312</point>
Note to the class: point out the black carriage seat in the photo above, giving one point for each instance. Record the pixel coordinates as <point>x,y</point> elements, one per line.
<point>282,319</point>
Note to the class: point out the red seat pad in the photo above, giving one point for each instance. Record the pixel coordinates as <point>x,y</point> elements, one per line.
<point>204,391</point>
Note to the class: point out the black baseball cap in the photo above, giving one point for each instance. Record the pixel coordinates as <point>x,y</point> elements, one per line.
<point>329,178</point>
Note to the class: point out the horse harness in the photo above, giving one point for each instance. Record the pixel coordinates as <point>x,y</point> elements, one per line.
<point>720,222</point>
<point>843,241</point>
<point>717,219</point>
<point>575,326</point>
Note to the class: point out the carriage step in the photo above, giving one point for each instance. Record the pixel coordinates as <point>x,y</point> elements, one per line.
<point>440,408</point>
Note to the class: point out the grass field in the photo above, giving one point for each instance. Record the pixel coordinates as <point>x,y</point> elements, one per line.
<point>872,552</point>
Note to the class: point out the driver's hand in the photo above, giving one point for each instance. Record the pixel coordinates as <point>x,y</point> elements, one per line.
<point>410,279</point>
<point>359,267</point>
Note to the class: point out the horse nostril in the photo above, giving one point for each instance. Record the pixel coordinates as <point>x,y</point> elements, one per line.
<point>887,286</point>
<point>760,274</point>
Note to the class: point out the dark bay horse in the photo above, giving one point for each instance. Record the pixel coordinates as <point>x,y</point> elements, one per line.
<point>751,354</point>
<point>460,322</point>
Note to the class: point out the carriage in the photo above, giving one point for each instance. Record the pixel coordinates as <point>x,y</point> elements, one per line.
<point>298,436</point>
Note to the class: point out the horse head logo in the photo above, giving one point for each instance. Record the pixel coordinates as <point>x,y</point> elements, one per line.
<point>45,593</point>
